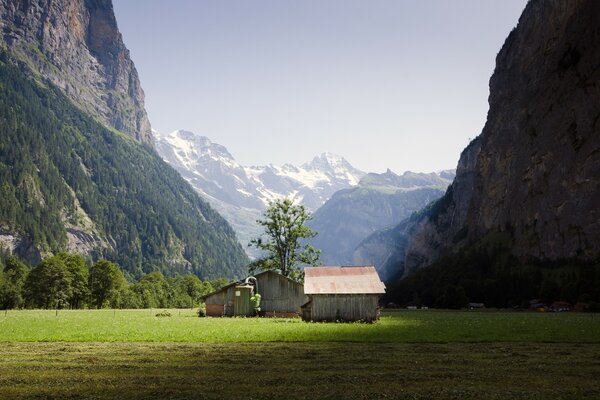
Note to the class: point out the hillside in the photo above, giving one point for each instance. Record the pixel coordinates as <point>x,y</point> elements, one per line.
<point>70,183</point>
<point>522,216</point>
<point>378,201</point>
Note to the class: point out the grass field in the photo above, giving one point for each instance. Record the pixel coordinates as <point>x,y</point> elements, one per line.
<point>394,327</point>
<point>407,355</point>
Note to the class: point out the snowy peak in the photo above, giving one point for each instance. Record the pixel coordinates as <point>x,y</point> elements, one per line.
<point>193,147</point>
<point>213,171</point>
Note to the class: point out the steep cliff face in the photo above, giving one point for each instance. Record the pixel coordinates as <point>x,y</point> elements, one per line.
<point>534,172</point>
<point>538,172</point>
<point>76,45</point>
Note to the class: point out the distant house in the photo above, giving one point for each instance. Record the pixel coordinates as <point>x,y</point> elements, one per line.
<point>342,294</point>
<point>280,296</point>
<point>560,306</point>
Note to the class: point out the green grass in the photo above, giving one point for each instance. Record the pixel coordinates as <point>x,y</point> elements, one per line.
<point>132,354</point>
<point>396,327</point>
<point>299,371</point>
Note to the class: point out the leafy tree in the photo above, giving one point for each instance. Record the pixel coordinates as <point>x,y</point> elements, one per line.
<point>12,284</point>
<point>186,290</point>
<point>106,281</point>
<point>127,298</point>
<point>285,228</point>
<point>153,290</point>
<point>49,284</point>
<point>217,284</point>
<point>79,275</point>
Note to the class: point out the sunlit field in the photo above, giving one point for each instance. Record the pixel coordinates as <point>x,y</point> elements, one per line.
<point>133,354</point>
<point>394,327</point>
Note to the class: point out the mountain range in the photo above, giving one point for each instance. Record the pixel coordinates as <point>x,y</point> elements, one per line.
<point>379,201</point>
<point>348,204</point>
<point>241,193</point>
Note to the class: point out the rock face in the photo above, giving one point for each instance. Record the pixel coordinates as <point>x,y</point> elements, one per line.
<point>75,44</point>
<point>538,172</point>
<point>534,171</point>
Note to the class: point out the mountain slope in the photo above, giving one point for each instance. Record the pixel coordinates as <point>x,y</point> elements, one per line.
<point>242,193</point>
<point>70,183</point>
<point>525,209</point>
<point>377,202</point>
<point>75,44</point>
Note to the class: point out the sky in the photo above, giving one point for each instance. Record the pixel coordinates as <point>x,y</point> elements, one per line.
<point>399,84</point>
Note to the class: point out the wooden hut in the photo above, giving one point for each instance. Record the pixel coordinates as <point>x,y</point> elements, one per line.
<point>280,296</point>
<point>342,294</point>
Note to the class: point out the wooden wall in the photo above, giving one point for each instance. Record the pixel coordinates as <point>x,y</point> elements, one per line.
<point>344,307</point>
<point>278,294</point>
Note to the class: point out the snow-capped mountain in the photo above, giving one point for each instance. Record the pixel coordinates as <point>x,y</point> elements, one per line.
<point>242,193</point>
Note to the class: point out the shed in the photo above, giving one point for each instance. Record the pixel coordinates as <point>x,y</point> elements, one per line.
<point>280,295</point>
<point>342,293</point>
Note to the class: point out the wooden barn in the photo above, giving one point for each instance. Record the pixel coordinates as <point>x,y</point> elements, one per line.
<point>342,294</point>
<point>280,296</point>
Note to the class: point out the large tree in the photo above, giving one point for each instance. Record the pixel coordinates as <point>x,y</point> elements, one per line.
<point>11,287</point>
<point>79,274</point>
<point>106,283</point>
<point>285,232</point>
<point>49,284</point>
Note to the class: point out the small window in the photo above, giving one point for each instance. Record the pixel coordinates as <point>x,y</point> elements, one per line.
<point>238,293</point>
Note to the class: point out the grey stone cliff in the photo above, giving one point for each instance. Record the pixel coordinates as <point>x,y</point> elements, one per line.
<point>535,169</point>
<point>77,46</point>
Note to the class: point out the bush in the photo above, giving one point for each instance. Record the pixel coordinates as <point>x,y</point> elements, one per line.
<point>202,310</point>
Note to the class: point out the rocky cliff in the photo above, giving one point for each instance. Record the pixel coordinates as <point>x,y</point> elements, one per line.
<point>533,174</point>
<point>75,44</point>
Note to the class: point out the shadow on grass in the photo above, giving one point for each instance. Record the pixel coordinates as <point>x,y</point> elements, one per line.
<point>297,370</point>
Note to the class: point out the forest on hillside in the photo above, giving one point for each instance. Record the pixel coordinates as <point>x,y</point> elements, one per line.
<point>61,171</point>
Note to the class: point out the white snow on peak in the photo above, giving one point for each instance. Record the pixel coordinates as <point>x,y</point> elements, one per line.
<point>211,165</point>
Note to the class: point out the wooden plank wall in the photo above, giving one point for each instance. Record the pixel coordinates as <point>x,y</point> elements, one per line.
<point>344,307</point>
<point>279,294</point>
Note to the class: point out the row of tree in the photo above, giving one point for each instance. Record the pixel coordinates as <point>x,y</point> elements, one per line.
<point>66,281</point>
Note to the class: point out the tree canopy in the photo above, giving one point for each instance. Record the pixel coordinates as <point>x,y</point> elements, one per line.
<point>285,229</point>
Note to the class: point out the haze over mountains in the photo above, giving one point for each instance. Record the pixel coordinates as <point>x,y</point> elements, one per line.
<point>242,193</point>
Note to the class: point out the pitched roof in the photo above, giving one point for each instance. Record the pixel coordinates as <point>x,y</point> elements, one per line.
<point>342,280</point>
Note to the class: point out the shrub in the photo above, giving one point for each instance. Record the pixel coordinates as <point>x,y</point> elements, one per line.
<point>202,310</point>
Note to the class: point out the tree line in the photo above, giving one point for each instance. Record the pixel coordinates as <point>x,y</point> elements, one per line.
<point>67,281</point>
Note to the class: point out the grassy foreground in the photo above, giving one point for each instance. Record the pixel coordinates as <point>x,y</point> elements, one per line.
<point>133,354</point>
<point>397,327</point>
<point>299,371</point>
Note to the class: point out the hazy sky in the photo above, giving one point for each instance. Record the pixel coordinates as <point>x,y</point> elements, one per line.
<point>400,84</point>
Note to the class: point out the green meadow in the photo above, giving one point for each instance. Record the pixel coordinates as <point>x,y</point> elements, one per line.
<point>394,327</point>
<point>134,354</point>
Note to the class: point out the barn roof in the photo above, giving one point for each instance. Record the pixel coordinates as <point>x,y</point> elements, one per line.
<point>342,280</point>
